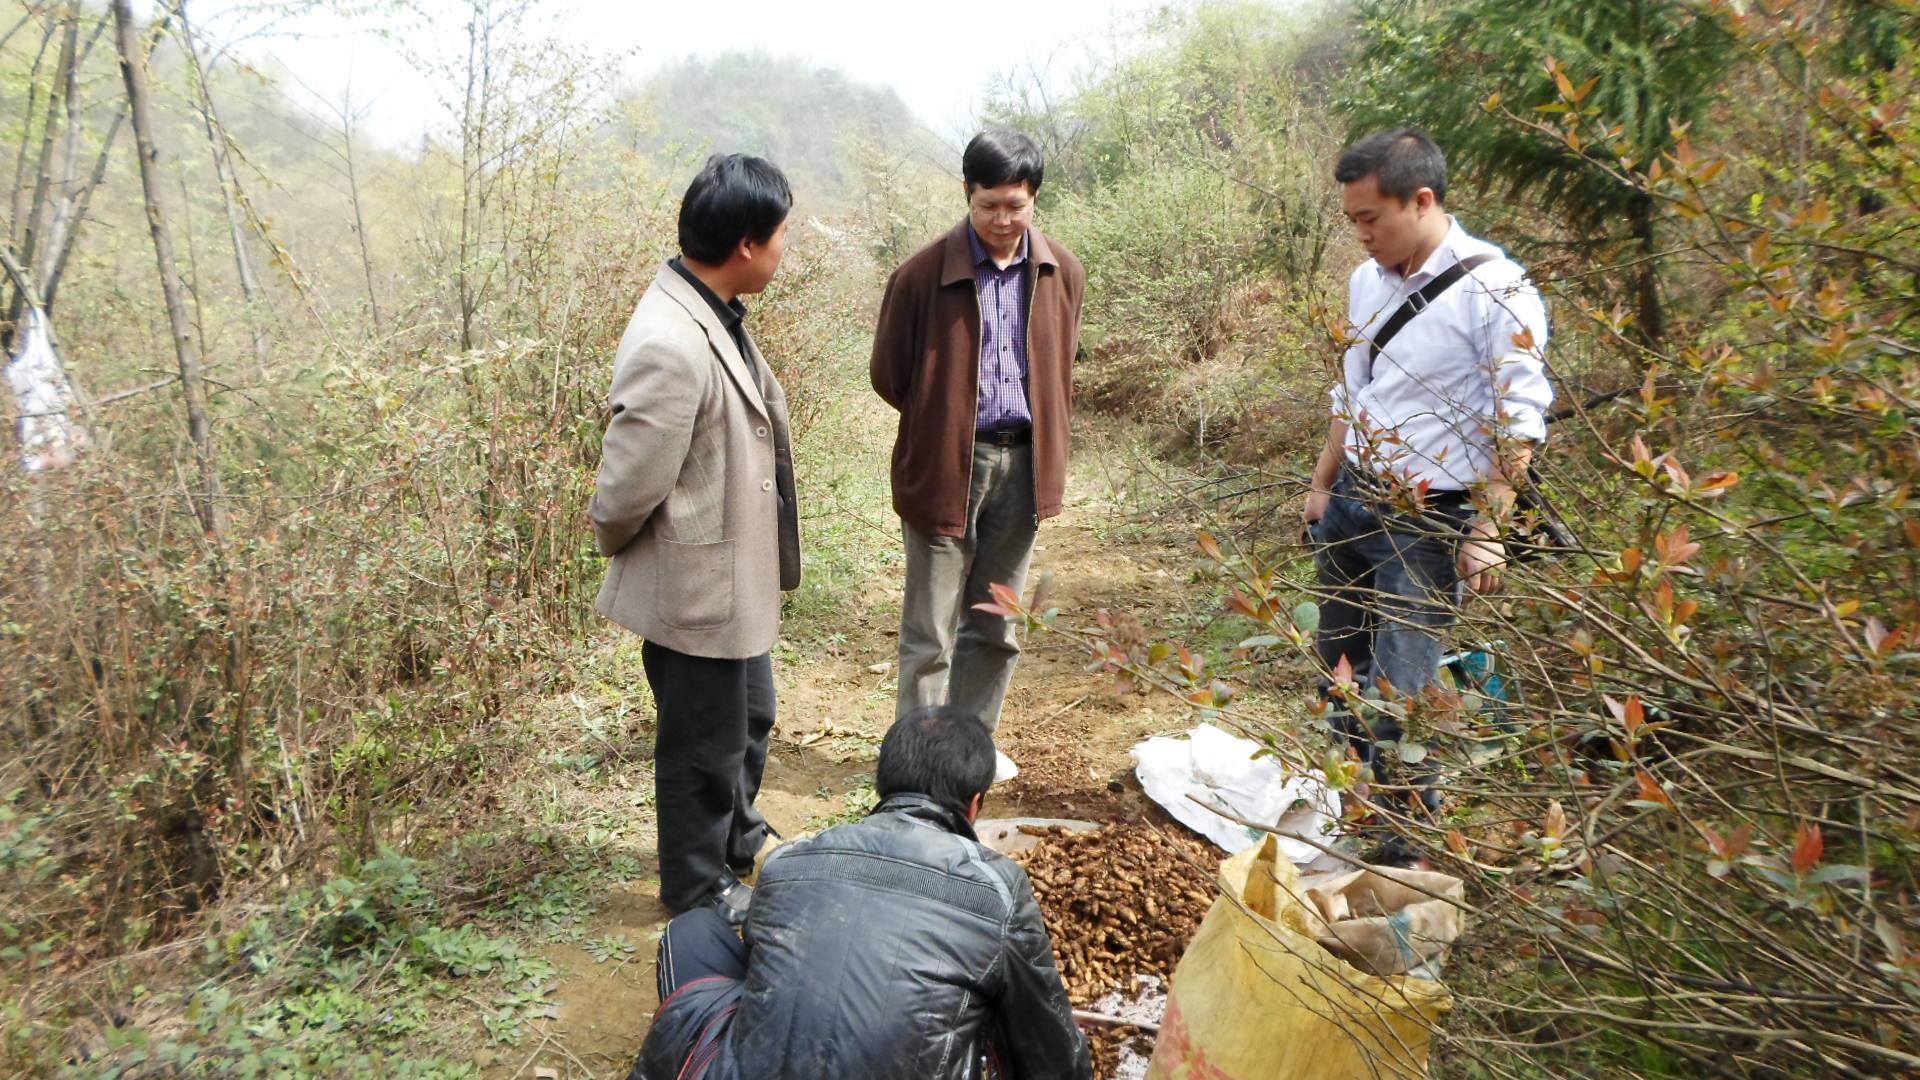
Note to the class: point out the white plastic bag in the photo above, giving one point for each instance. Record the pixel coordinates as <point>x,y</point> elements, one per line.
<point>1220,770</point>
<point>44,399</point>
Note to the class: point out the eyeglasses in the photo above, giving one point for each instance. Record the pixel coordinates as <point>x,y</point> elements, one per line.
<point>1008,212</point>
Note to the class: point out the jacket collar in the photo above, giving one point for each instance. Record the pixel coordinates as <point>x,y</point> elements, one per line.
<point>681,292</point>
<point>731,313</point>
<point>924,809</point>
<point>957,260</point>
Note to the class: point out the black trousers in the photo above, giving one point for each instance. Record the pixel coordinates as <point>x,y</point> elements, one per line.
<point>709,751</point>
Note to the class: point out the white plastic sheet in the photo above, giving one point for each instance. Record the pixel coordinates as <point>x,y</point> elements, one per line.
<point>44,398</point>
<point>1220,770</point>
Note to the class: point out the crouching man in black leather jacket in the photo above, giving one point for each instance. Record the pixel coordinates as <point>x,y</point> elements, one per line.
<point>895,947</point>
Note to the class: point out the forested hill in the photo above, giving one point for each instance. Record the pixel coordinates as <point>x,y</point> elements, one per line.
<point>809,119</point>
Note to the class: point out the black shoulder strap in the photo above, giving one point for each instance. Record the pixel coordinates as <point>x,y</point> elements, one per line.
<point>1417,303</point>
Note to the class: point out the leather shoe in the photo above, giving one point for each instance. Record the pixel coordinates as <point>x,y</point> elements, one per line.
<point>731,900</point>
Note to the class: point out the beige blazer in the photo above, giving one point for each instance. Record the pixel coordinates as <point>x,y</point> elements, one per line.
<point>694,468</point>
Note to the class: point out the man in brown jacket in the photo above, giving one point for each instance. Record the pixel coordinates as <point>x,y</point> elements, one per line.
<point>695,505</point>
<point>975,347</point>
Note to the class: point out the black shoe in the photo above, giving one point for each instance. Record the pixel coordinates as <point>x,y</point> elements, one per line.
<point>731,901</point>
<point>743,867</point>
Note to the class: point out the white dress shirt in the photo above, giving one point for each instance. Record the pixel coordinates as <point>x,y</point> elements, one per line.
<point>1467,368</point>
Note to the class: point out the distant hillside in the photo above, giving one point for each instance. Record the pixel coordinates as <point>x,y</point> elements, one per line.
<point>808,120</point>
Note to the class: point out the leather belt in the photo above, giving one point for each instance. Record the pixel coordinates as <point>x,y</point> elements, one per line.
<point>1004,437</point>
<point>1375,489</point>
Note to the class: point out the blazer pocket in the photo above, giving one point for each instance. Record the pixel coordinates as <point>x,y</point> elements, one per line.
<point>695,588</point>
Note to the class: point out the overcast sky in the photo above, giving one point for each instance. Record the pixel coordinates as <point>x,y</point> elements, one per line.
<point>940,57</point>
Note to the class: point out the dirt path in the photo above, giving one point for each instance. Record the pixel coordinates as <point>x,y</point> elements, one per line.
<point>1065,727</point>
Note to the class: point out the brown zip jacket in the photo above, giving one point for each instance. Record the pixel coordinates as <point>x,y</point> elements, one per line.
<point>926,364</point>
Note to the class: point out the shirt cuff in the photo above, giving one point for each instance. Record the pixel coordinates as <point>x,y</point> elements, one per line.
<point>1523,422</point>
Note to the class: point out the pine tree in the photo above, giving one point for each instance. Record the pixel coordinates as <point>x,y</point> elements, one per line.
<point>1658,66</point>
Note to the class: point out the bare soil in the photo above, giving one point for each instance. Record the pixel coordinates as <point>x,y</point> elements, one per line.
<point>1067,729</point>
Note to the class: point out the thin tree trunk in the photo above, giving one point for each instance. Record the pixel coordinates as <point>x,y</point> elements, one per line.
<point>468,158</point>
<point>21,157</point>
<point>71,211</point>
<point>49,144</point>
<point>193,268</point>
<point>25,208</point>
<point>1653,323</point>
<point>473,128</point>
<point>48,248</point>
<point>217,143</point>
<point>208,505</point>
<point>67,233</point>
<point>359,216</point>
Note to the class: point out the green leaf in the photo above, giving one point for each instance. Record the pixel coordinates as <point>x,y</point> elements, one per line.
<point>1837,873</point>
<point>1306,616</point>
<point>1412,753</point>
<point>1260,641</point>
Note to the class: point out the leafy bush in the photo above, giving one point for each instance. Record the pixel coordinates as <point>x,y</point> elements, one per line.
<point>1694,847</point>
<point>1188,173</point>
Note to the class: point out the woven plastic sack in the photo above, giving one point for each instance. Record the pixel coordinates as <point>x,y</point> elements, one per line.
<point>1257,998</point>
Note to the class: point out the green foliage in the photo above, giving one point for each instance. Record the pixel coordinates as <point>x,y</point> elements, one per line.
<point>1648,72</point>
<point>909,195</point>
<point>1168,248</point>
<point>354,977</point>
<point>1189,175</point>
<point>1466,70</point>
<point>1695,848</point>
<point>803,118</point>
<point>615,947</point>
<point>855,804</point>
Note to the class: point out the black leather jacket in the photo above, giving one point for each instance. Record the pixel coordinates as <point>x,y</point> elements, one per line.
<point>895,947</point>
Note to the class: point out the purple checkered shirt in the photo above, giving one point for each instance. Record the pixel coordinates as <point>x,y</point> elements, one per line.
<point>1003,337</point>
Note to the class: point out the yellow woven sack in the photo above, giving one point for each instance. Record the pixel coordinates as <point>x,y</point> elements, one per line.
<point>1257,998</point>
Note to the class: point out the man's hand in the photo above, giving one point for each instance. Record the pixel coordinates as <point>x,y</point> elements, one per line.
<point>1481,557</point>
<point>1320,487</point>
<point>1316,508</point>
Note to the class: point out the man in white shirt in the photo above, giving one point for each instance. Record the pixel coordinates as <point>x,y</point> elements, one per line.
<point>1431,433</point>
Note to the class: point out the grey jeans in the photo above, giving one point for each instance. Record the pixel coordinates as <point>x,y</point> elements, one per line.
<point>951,654</point>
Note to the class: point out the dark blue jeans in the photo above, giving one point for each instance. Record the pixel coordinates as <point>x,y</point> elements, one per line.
<point>702,975</point>
<point>1388,586</point>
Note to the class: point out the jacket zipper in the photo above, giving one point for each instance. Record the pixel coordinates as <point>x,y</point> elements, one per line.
<point>973,441</point>
<point>1033,455</point>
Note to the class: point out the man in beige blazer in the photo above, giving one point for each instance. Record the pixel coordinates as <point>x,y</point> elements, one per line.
<point>695,506</point>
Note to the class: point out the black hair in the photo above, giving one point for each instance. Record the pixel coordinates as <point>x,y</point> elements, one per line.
<point>735,197</point>
<point>1001,156</point>
<point>940,752</point>
<point>1403,161</point>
